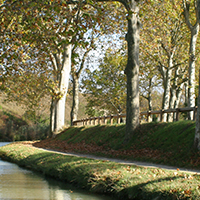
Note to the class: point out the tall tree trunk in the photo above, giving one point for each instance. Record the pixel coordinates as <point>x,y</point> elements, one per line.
<point>76,75</point>
<point>150,102</point>
<point>167,86</point>
<point>178,97</point>
<point>191,81</point>
<point>52,117</point>
<point>186,93</point>
<point>176,90</point>
<point>172,102</point>
<point>197,130</point>
<point>75,102</point>
<point>150,94</point>
<point>58,104</point>
<point>60,114</point>
<point>132,69</point>
<point>194,31</point>
<point>148,97</point>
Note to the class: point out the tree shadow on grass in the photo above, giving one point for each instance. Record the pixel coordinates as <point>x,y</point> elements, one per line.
<point>79,170</point>
<point>141,191</point>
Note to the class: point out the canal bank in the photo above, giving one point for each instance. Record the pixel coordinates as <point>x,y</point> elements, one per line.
<point>102,176</point>
<point>19,183</point>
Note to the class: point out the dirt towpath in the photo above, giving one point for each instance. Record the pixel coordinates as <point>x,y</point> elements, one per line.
<point>126,162</point>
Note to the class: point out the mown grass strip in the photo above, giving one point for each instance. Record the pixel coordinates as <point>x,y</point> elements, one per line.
<point>122,181</point>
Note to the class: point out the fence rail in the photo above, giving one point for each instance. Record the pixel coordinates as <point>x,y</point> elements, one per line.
<point>120,118</point>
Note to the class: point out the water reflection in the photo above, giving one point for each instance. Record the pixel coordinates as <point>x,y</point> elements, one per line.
<point>17,183</point>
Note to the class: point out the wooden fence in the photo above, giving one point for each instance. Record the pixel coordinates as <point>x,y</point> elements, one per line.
<point>147,116</point>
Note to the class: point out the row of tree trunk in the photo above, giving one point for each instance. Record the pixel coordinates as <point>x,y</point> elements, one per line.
<point>132,73</point>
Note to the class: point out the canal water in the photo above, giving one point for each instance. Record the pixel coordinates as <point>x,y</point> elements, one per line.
<point>20,184</point>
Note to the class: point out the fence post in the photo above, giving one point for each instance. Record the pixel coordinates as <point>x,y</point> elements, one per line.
<point>118,118</point>
<point>194,113</point>
<point>96,120</point>
<point>111,120</point>
<point>74,123</point>
<point>93,120</point>
<point>99,120</point>
<point>149,116</point>
<point>90,121</point>
<point>177,114</point>
<point>161,115</point>
<point>105,120</point>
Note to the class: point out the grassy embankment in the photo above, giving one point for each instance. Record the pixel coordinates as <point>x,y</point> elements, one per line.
<point>162,143</point>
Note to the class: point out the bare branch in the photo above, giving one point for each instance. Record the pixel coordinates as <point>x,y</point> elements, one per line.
<point>186,8</point>
<point>198,11</point>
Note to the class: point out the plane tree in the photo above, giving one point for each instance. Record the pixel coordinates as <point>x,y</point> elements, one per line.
<point>78,63</point>
<point>52,27</point>
<point>192,20</point>
<point>193,25</point>
<point>24,83</point>
<point>149,79</point>
<point>132,38</point>
<point>132,68</point>
<point>99,38</point>
<point>164,42</point>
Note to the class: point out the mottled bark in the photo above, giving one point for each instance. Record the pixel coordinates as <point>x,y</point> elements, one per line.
<point>63,65</point>
<point>150,94</point>
<point>194,31</point>
<point>76,76</point>
<point>52,117</point>
<point>167,86</point>
<point>148,97</point>
<point>171,103</point>
<point>191,82</point>
<point>150,102</point>
<point>186,93</point>
<point>178,97</point>
<point>175,93</point>
<point>197,130</point>
<point>132,69</point>
<point>75,100</point>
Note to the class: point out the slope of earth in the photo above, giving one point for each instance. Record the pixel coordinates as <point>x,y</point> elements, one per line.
<point>162,143</point>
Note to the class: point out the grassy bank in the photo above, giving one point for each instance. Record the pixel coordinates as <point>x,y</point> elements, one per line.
<point>163,143</point>
<point>122,181</point>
